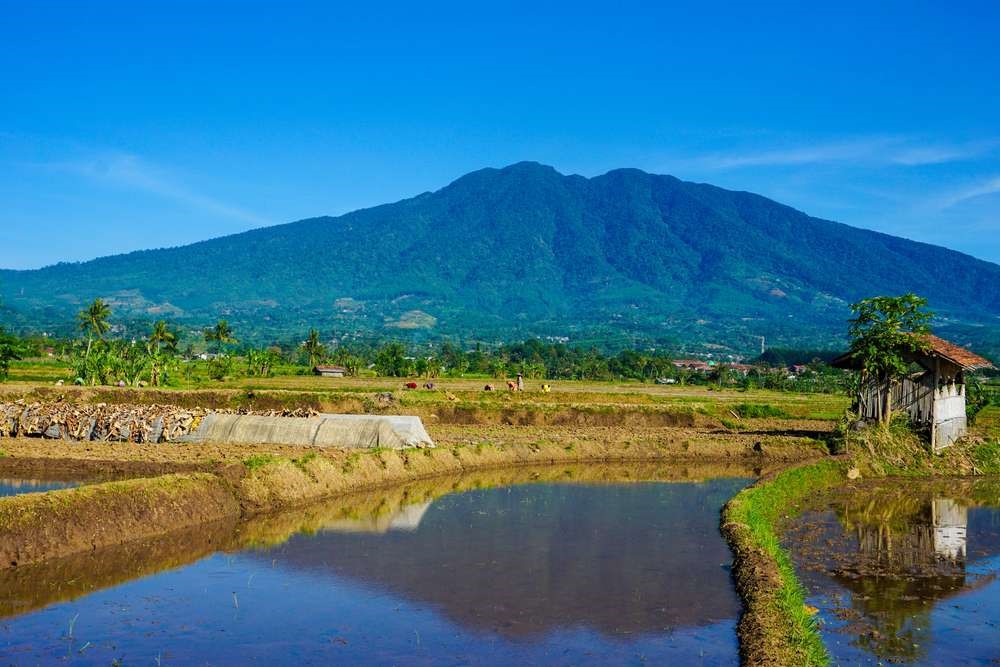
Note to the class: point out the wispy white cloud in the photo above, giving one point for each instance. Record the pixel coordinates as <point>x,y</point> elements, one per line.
<point>862,151</point>
<point>129,171</point>
<point>984,187</point>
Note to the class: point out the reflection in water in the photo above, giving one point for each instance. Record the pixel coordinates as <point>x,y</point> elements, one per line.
<point>13,487</point>
<point>882,561</point>
<point>935,535</point>
<point>950,521</point>
<point>539,573</point>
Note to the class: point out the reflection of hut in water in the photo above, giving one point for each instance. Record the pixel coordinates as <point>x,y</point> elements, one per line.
<point>936,533</point>
<point>950,523</point>
<point>406,518</point>
<point>933,396</point>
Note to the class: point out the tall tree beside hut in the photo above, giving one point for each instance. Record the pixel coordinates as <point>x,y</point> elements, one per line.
<point>884,331</point>
<point>94,321</point>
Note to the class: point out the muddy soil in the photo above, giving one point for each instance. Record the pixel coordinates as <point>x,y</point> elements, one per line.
<point>38,526</point>
<point>35,455</point>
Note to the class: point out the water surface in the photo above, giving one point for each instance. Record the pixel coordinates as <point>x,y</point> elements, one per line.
<point>904,572</point>
<point>543,573</point>
<point>14,487</point>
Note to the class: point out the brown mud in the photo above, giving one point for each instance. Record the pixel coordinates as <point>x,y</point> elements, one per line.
<point>38,526</point>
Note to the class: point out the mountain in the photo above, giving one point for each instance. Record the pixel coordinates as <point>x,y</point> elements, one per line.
<point>524,250</point>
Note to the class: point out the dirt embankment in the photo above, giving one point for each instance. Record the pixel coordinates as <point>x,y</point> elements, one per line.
<point>283,483</point>
<point>34,527</point>
<point>33,586</point>
<point>248,480</point>
<point>39,526</point>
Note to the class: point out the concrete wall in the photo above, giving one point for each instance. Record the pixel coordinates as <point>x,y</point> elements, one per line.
<point>949,415</point>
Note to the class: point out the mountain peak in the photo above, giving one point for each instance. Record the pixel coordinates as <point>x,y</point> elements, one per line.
<point>524,250</point>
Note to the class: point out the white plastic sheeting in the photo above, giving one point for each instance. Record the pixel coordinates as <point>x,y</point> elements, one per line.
<point>326,430</point>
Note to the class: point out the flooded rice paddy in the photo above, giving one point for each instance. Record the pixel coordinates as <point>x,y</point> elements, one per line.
<point>14,487</point>
<point>903,571</point>
<point>438,572</point>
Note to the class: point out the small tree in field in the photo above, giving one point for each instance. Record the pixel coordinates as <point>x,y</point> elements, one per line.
<point>884,331</point>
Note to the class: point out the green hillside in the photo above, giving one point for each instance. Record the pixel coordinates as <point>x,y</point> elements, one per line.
<point>524,250</point>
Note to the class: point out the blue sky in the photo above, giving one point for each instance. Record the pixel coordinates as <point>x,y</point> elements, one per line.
<point>125,127</point>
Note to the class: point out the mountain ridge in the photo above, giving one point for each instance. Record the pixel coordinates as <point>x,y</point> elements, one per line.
<point>525,250</point>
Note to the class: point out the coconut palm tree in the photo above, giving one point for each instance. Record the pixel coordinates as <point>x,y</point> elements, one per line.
<point>162,343</point>
<point>94,321</point>
<point>221,333</point>
<point>162,336</point>
<point>314,348</point>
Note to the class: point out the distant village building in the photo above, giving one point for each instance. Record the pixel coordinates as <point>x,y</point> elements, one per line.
<point>696,365</point>
<point>699,366</point>
<point>330,371</point>
<point>934,396</point>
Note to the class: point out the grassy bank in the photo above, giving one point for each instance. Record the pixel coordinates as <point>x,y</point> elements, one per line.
<point>775,628</point>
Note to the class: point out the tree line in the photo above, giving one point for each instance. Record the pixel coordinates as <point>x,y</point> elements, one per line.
<point>158,358</point>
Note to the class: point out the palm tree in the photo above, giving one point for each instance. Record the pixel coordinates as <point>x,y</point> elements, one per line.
<point>221,334</point>
<point>163,337</point>
<point>314,348</point>
<point>94,320</point>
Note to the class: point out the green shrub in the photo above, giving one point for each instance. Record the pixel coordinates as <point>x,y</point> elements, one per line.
<point>259,461</point>
<point>759,411</point>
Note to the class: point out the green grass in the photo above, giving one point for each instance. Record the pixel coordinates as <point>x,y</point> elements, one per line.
<point>259,461</point>
<point>759,411</point>
<point>759,508</point>
<point>304,460</point>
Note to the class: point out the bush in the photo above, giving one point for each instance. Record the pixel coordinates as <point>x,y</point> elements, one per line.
<point>759,411</point>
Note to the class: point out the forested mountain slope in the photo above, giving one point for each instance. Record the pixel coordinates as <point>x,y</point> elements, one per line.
<point>525,250</point>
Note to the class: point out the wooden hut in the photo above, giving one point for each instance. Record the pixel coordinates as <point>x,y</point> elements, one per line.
<point>330,371</point>
<point>933,396</point>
